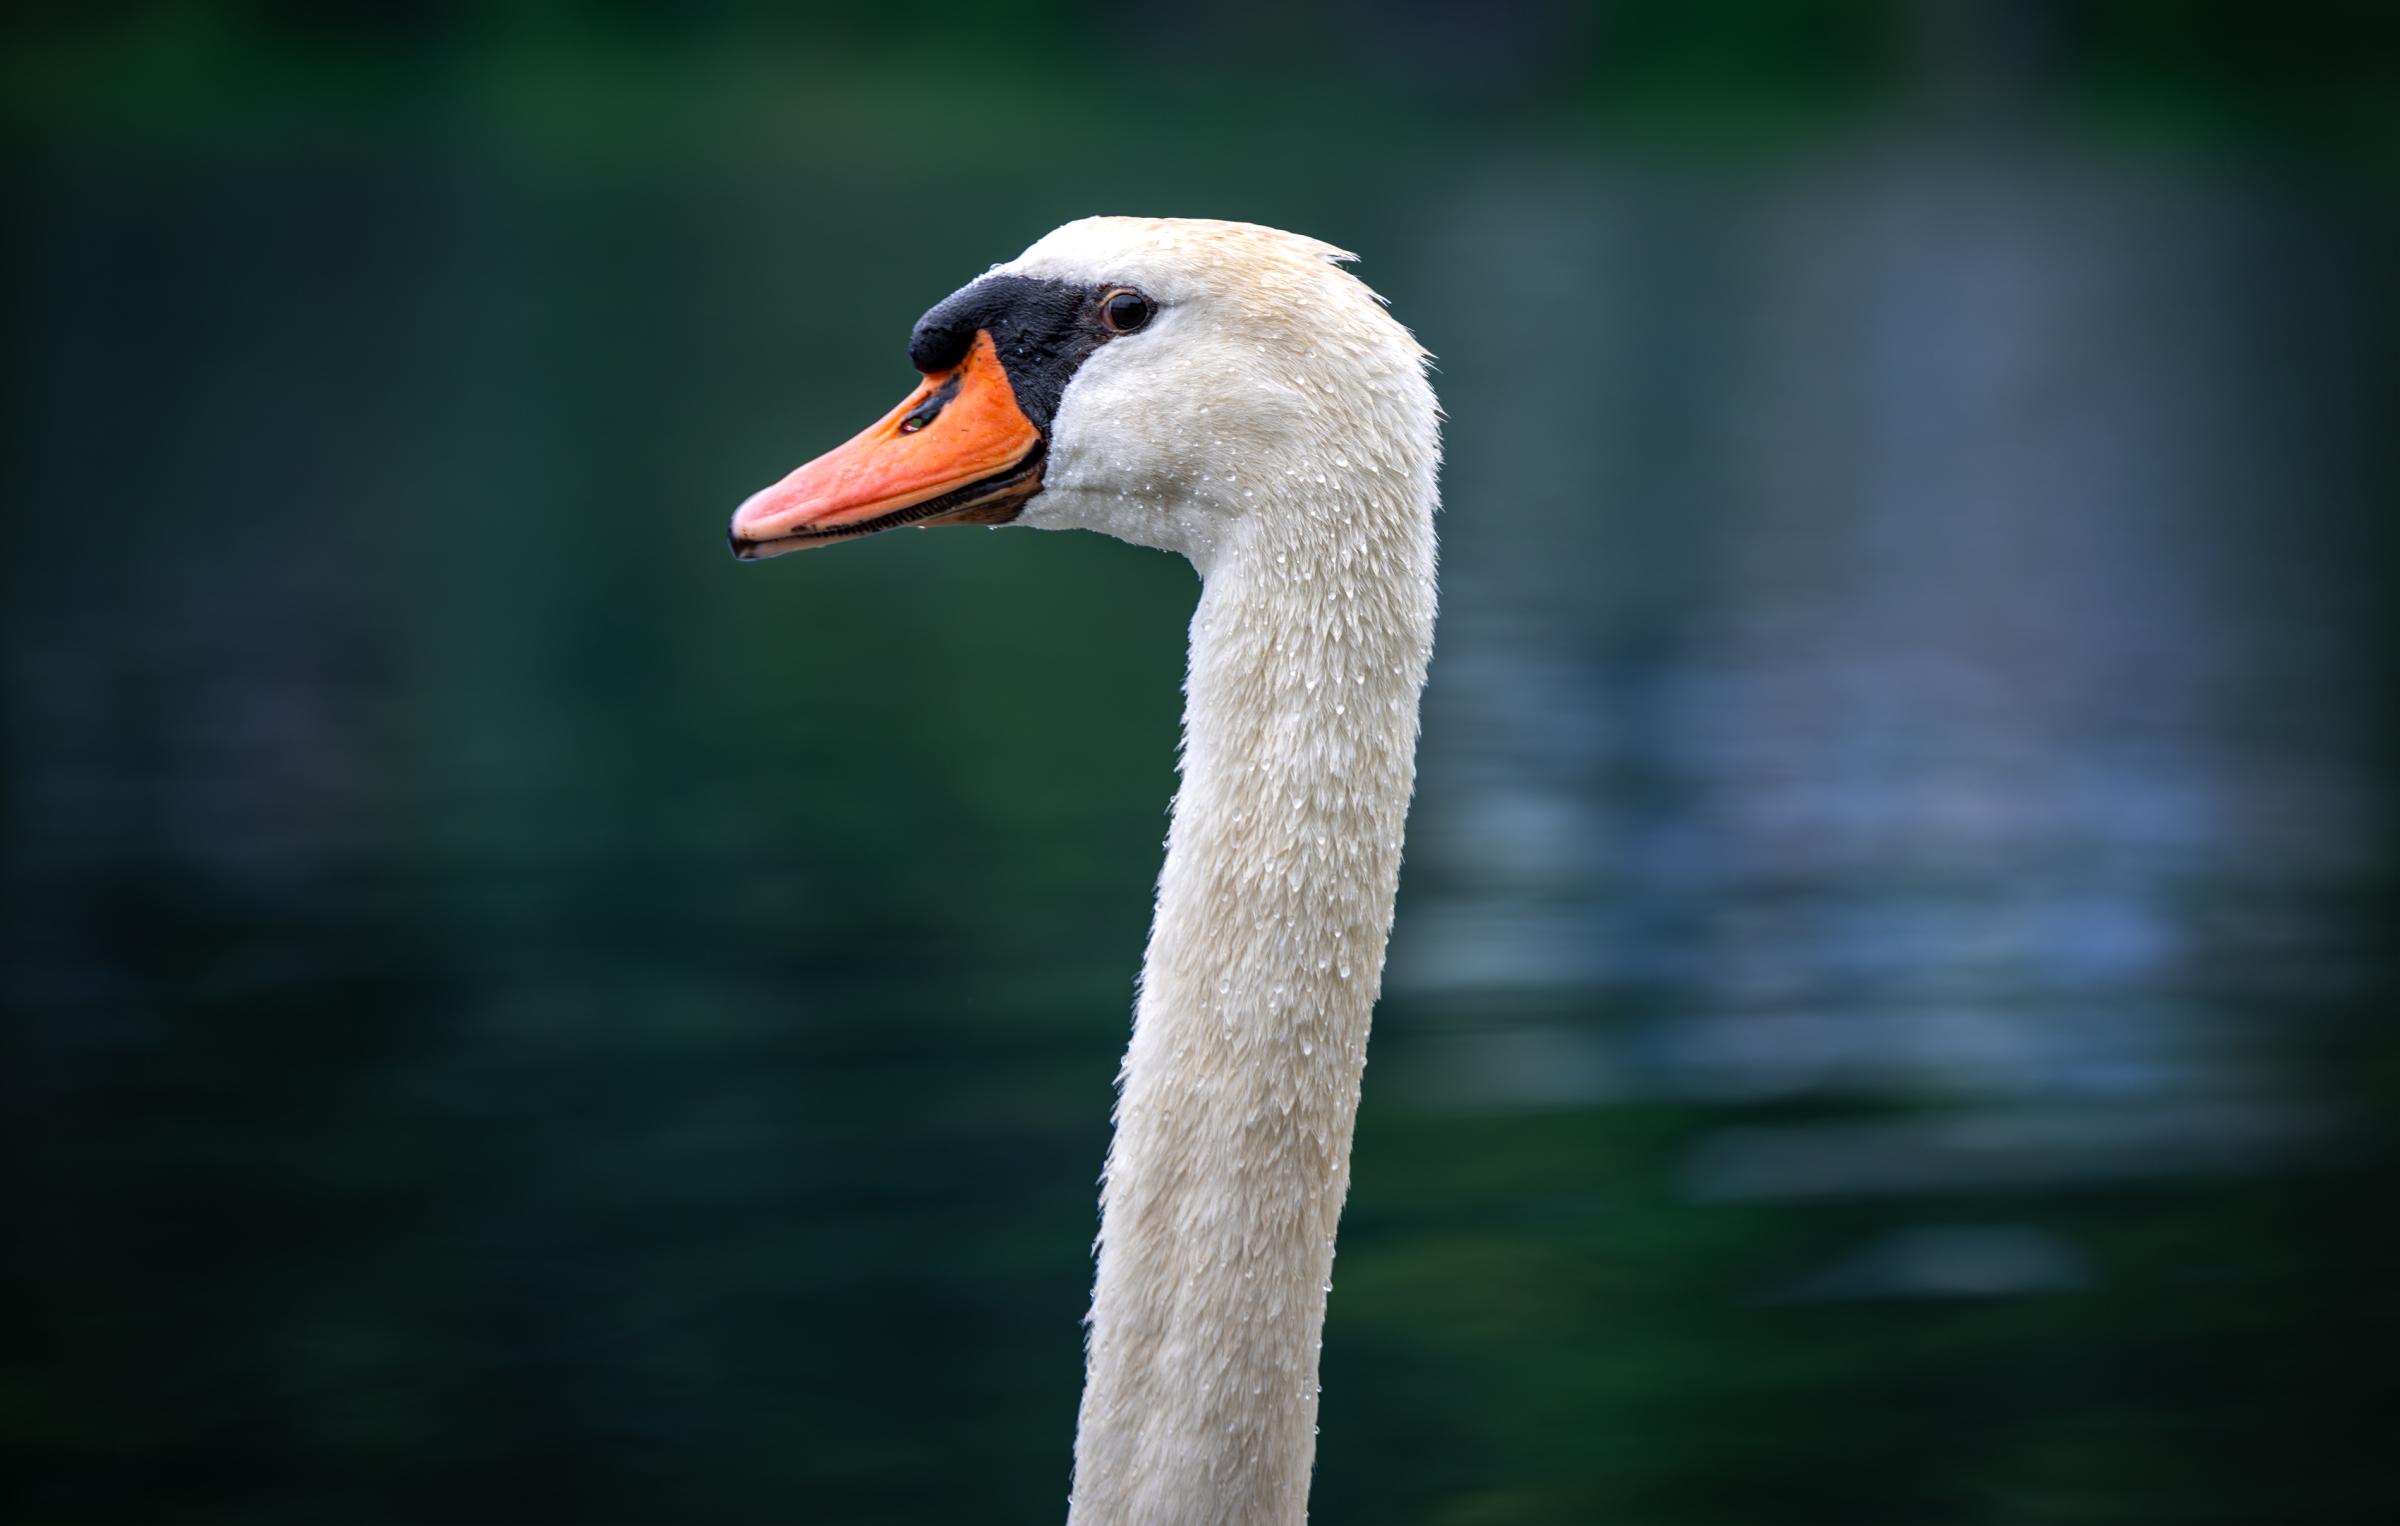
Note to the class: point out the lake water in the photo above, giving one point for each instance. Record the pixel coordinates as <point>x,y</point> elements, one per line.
<point>516,1017</point>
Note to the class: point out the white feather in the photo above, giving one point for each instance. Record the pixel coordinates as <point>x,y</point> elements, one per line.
<point>1273,424</point>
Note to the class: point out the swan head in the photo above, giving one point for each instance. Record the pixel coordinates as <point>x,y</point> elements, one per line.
<point>1167,381</point>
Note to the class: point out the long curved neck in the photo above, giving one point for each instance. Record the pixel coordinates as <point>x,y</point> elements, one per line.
<point>1231,1157</point>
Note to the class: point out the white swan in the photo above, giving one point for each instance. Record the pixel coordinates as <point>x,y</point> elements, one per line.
<point>1224,391</point>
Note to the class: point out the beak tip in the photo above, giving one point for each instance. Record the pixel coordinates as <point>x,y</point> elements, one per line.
<point>744,550</point>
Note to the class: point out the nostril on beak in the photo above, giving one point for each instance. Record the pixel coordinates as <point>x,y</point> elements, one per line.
<point>930,409</point>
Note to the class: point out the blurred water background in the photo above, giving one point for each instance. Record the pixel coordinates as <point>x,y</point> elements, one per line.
<point>512,1017</point>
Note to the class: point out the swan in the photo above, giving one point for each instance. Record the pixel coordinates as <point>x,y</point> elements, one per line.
<point>1228,392</point>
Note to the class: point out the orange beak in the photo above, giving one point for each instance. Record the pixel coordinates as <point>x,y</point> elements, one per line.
<point>958,451</point>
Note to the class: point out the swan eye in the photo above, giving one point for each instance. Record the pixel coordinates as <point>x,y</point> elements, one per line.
<point>1122,310</point>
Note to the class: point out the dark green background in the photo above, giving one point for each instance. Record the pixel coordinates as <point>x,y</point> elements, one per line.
<point>513,1017</point>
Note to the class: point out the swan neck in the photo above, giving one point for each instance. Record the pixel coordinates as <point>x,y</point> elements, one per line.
<point>1231,1158</point>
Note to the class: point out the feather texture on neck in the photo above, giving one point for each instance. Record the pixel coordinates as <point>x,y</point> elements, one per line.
<point>1226,1177</point>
